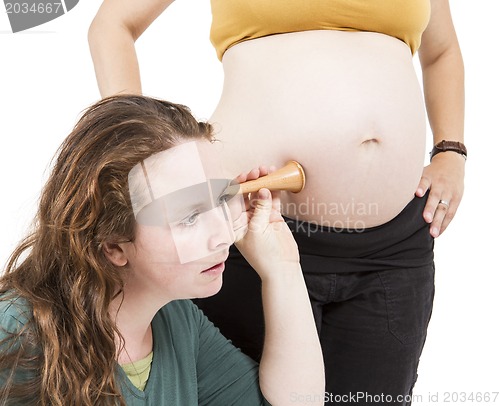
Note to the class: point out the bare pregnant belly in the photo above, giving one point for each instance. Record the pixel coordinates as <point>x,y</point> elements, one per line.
<point>346,105</point>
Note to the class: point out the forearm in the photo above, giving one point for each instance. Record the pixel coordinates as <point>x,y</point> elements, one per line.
<point>115,60</point>
<point>291,368</point>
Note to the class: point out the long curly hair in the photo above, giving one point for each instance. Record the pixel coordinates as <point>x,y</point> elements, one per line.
<point>67,351</point>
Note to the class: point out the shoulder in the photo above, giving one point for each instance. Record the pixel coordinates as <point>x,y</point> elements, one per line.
<point>15,313</point>
<point>14,310</point>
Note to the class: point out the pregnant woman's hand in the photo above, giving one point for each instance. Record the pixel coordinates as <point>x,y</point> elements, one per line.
<point>444,176</point>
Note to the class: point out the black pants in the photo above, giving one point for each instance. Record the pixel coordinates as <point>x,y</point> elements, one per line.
<point>371,292</point>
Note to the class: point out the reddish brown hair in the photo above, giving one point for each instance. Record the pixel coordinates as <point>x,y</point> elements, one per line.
<point>68,348</point>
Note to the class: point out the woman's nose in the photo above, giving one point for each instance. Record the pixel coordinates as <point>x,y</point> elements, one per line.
<point>221,234</point>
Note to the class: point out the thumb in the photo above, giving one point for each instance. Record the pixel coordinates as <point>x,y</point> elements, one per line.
<point>262,211</point>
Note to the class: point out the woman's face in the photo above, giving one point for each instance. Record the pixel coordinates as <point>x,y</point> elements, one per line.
<point>184,227</point>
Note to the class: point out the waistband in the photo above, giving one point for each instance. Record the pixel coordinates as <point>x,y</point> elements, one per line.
<point>403,242</point>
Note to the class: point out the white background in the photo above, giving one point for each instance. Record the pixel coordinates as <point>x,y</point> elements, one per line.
<point>47,79</point>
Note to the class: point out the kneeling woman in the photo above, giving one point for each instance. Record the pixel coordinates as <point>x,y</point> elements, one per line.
<point>93,307</point>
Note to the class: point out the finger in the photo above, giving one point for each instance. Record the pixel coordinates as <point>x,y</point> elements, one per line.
<point>423,186</point>
<point>253,174</point>
<point>262,212</point>
<point>431,206</point>
<point>450,214</point>
<point>242,177</point>
<point>439,216</point>
<point>263,171</point>
<point>250,175</point>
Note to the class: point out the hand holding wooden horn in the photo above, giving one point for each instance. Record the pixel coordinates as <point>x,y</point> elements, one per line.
<point>290,177</point>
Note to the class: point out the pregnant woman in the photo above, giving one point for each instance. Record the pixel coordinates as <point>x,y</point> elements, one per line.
<point>331,84</point>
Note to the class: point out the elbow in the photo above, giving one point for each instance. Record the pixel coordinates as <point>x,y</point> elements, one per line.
<point>449,63</point>
<point>105,31</point>
<point>451,55</point>
<point>93,33</point>
<point>283,394</point>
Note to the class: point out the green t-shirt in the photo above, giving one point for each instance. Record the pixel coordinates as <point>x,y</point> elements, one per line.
<point>193,364</point>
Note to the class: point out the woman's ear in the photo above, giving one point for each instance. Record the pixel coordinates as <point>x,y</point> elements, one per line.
<point>115,254</point>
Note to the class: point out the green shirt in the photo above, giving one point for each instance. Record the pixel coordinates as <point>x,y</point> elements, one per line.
<point>193,364</point>
<point>138,371</point>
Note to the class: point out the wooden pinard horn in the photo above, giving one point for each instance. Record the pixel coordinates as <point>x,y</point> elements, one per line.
<point>290,177</point>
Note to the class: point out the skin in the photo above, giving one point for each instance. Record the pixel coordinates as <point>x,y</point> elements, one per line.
<point>154,276</point>
<point>360,154</point>
<point>122,22</point>
<point>443,77</point>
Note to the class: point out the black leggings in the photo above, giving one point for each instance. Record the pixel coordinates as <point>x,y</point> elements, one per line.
<point>371,292</point>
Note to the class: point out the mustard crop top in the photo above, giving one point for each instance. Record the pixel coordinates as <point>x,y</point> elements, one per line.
<point>235,21</point>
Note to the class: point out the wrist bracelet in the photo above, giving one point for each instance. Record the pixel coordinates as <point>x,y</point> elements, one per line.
<point>443,146</point>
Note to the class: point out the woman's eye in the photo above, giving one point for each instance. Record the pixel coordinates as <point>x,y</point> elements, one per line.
<point>190,220</point>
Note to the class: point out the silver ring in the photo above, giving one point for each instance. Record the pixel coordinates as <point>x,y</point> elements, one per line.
<point>445,202</point>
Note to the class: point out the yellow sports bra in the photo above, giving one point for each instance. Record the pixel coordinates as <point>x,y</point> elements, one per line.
<point>235,21</point>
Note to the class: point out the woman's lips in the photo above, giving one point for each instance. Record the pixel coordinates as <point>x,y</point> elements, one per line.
<point>214,270</point>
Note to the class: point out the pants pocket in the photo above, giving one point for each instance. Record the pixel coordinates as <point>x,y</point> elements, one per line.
<point>409,295</point>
